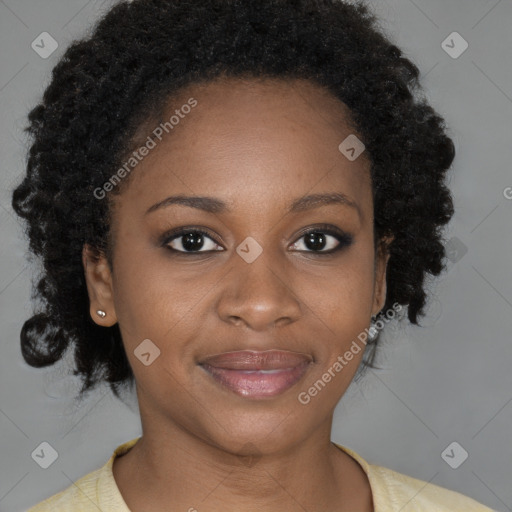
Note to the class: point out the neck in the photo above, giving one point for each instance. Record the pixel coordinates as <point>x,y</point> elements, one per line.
<point>172,468</point>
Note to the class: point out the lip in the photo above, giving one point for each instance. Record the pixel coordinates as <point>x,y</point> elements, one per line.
<point>257,374</point>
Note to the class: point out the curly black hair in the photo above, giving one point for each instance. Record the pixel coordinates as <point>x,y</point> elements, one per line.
<point>141,53</point>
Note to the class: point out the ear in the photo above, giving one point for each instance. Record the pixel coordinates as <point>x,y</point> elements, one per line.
<point>99,286</point>
<point>379,295</point>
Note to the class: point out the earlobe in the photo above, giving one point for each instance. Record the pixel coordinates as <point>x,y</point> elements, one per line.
<point>99,286</point>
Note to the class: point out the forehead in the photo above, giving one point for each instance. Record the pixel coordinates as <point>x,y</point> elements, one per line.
<point>249,139</point>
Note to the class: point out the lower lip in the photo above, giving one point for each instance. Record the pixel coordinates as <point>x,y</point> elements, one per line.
<point>258,383</point>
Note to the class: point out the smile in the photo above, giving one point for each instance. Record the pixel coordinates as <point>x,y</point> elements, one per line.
<point>257,374</point>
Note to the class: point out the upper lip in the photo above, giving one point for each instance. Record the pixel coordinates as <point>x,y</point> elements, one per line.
<point>257,360</point>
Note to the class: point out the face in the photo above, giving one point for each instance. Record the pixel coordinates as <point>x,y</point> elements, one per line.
<point>248,297</point>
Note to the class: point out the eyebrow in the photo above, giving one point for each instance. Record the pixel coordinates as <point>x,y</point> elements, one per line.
<point>215,205</point>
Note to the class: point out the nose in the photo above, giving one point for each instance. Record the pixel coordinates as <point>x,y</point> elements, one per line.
<point>259,294</point>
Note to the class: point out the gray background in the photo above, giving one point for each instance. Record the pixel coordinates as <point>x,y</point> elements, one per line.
<point>450,381</point>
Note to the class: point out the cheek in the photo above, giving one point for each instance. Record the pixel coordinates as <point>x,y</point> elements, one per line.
<point>150,298</point>
<point>343,297</point>
<point>343,303</point>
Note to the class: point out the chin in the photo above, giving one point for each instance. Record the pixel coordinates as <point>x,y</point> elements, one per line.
<point>259,430</point>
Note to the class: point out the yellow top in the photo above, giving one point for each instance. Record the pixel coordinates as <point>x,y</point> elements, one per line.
<point>392,491</point>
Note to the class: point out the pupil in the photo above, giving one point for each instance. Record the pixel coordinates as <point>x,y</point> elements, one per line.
<point>192,241</point>
<point>313,243</point>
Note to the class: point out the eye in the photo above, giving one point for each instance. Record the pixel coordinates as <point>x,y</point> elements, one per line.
<point>190,240</point>
<point>323,240</point>
<point>320,240</point>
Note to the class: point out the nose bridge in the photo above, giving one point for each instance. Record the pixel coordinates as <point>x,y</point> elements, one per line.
<point>259,292</point>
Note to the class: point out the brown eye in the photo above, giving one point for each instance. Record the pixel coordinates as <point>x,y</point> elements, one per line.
<point>191,241</point>
<point>325,240</point>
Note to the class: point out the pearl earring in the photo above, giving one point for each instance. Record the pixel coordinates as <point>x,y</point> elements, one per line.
<point>101,313</point>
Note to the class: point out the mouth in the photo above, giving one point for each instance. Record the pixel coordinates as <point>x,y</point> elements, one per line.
<point>254,374</point>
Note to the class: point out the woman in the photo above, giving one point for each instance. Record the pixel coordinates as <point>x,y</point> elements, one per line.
<point>225,194</point>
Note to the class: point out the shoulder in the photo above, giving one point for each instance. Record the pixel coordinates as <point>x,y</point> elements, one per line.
<point>81,496</point>
<point>409,494</point>
<point>95,491</point>
<point>393,491</point>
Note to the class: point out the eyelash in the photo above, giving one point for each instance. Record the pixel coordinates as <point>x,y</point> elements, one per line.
<point>344,239</point>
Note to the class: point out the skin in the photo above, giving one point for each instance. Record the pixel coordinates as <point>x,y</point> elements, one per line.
<point>258,146</point>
